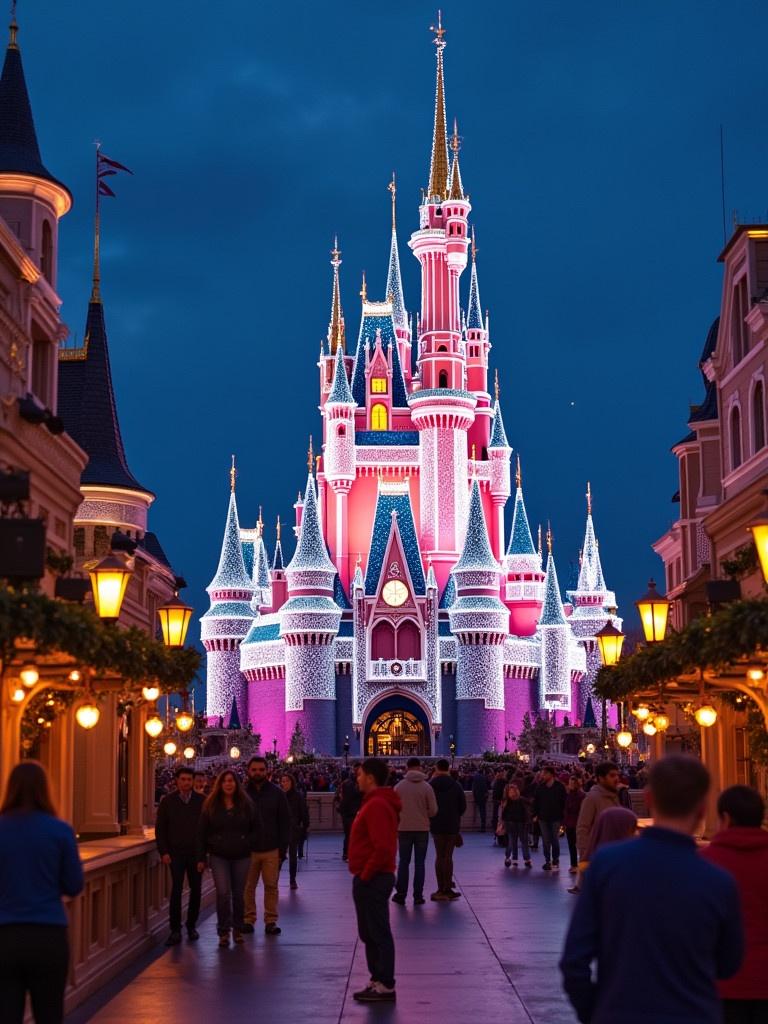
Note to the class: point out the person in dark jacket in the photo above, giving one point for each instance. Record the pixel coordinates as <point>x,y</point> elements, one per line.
<point>299,822</point>
<point>548,810</point>
<point>497,795</point>
<point>39,864</point>
<point>659,966</point>
<point>176,826</point>
<point>574,797</point>
<point>348,801</point>
<point>741,849</point>
<point>272,834</point>
<point>226,836</point>
<point>514,814</point>
<point>480,790</point>
<point>445,827</point>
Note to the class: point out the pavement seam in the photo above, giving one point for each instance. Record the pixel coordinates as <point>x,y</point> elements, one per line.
<point>349,978</point>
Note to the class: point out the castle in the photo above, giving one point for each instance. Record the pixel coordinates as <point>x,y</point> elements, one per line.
<point>405,623</point>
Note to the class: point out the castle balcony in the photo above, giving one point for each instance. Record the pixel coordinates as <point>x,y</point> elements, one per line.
<point>409,668</point>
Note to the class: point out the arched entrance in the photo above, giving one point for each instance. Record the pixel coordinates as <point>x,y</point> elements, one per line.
<point>397,727</point>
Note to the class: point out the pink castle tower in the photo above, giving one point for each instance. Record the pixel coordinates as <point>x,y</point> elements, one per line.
<point>524,590</point>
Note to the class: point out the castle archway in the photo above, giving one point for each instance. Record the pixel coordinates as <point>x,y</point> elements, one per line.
<point>397,726</point>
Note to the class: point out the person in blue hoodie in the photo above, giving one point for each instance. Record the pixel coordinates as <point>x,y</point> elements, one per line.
<point>39,864</point>
<point>662,924</point>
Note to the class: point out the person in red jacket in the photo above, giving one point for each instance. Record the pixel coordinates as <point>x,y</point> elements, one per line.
<point>372,850</point>
<point>741,848</point>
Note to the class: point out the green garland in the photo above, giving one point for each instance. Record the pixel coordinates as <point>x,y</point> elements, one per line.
<point>56,626</point>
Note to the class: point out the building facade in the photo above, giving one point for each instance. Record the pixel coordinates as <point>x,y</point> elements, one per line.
<point>408,619</point>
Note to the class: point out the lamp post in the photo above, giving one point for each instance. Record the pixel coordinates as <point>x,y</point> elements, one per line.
<point>654,612</point>
<point>109,579</point>
<point>274,747</point>
<point>609,641</point>
<point>174,621</point>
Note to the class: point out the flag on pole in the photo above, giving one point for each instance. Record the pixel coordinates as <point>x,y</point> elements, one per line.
<point>104,169</point>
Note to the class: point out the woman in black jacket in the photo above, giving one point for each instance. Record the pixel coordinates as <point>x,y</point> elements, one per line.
<point>226,837</point>
<point>514,814</point>
<point>297,808</point>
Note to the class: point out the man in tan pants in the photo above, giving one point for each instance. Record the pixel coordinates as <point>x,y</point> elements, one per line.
<point>272,831</point>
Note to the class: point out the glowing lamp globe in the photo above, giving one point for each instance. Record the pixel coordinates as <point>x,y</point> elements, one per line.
<point>109,579</point>
<point>641,712</point>
<point>706,715</point>
<point>87,715</point>
<point>29,674</point>
<point>174,621</point>
<point>590,748</point>
<point>624,739</point>
<point>759,528</point>
<point>610,641</point>
<point>654,612</point>
<point>184,721</point>
<point>17,695</point>
<point>189,753</point>
<point>755,675</point>
<point>169,748</point>
<point>234,753</point>
<point>650,729</point>
<point>153,726</point>
<point>661,722</point>
<point>150,693</point>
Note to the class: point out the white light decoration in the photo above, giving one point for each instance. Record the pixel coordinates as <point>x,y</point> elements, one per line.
<point>29,674</point>
<point>150,693</point>
<point>705,715</point>
<point>624,738</point>
<point>189,753</point>
<point>234,753</point>
<point>649,728</point>
<point>153,726</point>
<point>87,715</point>
<point>17,695</point>
<point>169,748</point>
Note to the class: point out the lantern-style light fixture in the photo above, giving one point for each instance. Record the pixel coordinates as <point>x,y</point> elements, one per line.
<point>234,753</point>
<point>87,715</point>
<point>705,715</point>
<point>174,621</point>
<point>189,753</point>
<point>590,748</point>
<point>641,712</point>
<point>649,728</point>
<point>75,675</point>
<point>759,529</point>
<point>153,726</point>
<point>654,612</point>
<point>17,695</point>
<point>150,692</point>
<point>169,748</point>
<point>610,641</point>
<point>109,579</point>
<point>661,722</point>
<point>28,674</point>
<point>624,738</point>
<point>184,721</point>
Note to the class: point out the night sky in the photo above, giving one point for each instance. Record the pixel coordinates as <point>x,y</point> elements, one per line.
<point>257,130</point>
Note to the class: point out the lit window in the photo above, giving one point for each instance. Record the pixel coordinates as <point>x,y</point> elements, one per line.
<point>379,385</point>
<point>379,417</point>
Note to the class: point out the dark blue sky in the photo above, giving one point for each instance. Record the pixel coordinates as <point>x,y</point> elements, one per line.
<point>255,131</point>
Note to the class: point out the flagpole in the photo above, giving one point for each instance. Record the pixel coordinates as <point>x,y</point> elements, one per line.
<point>96,290</point>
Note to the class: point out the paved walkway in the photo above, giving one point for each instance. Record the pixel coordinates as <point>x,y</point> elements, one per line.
<point>490,956</point>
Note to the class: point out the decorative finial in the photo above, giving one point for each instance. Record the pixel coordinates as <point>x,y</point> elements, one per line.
<point>359,559</point>
<point>336,338</point>
<point>278,528</point>
<point>549,537</point>
<point>474,246</point>
<point>474,451</point>
<point>519,479</point>
<point>392,186</point>
<point>439,31</point>
<point>455,142</point>
<point>335,252</point>
<point>589,499</point>
<point>364,290</point>
<point>317,464</point>
<point>539,540</point>
<point>496,388</point>
<point>310,455</point>
<point>260,523</point>
<point>13,44</point>
<point>232,475</point>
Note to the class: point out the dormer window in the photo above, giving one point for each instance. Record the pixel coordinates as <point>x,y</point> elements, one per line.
<point>379,417</point>
<point>378,385</point>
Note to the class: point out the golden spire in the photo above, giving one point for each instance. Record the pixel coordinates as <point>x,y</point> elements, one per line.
<point>260,523</point>
<point>364,290</point>
<point>496,388</point>
<point>549,537</point>
<point>278,528</point>
<point>336,336</point>
<point>232,475</point>
<point>457,189</point>
<point>519,481</point>
<point>539,540</point>
<point>392,186</point>
<point>310,455</point>
<point>438,170</point>
<point>14,28</point>
<point>589,499</point>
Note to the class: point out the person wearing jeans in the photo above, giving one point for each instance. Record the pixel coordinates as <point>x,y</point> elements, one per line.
<point>514,814</point>
<point>176,826</point>
<point>419,805</point>
<point>548,810</point>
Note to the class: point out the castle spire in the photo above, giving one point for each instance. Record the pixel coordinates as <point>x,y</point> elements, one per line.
<point>498,434</point>
<point>231,573</point>
<point>552,613</point>
<point>232,475</point>
<point>438,169</point>
<point>590,571</point>
<point>310,553</point>
<point>520,540</point>
<point>394,281</point>
<point>277,560</point>
<point>475,311</point>
<point>336,335</point>
<point>456,189</point>
<point>340,392</point>
<point>477,555</point>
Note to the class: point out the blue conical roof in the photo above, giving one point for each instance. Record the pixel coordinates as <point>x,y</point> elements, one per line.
<point>395,285</point>
<point>477,554</point>
<point>590,721</point>
<point>277,560</point>
<point>498,433</point>
<point>474,312</point>
<point>520,540</point>
<point>552,613</point>
<point>261,565</point>
<point>310,552</point>
<point>234,716</point>
<point>231,574</point>
<point>591,571</point>
<point>340,390</point>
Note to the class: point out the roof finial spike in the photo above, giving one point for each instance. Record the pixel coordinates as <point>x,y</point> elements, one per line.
<point>539,545</point>
<point>278,528</point>
<point>232,475</point>
<point>589,499</point>
<point>310,455</point>
<point>549,537</point>
<point>496,387</point>
<point>438,171</point>
<point>392,186</point>
<point>336,337</point>
<point>260,522</point>
<point>456,188</point>
<point>364,290</point>
<point>474,246</point>
<point>519,481</point>
<point>14,28</point>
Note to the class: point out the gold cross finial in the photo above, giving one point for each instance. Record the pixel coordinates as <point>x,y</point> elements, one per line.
<point>392,186</point>
<point>455,142</point>
<point>438,30</point>
<point>232,475</point>
<point>13,44</point>
<point>359,558</point>
<point>260,522</point>
<point>474,451</point>
<point>364,290</point>
<point>549,537</point>
<point>519,478</point>
<point>335,252</point>
<point>589,499</point>
<point>278,528</point>
<point>310,455</point>
<point>496,384</point>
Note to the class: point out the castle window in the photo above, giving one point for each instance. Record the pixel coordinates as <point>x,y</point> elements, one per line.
<point>378,385</point>
<point>46,251</point>
<point>442,348</point>
<point>408,641</point>
<point>383,641</point>
<point>442,381</point>
<point>735,438</point>
<point>379,417</point>
<point>341,430</point>
<point>758,417</point>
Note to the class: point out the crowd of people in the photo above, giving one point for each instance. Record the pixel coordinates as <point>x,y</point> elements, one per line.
<point>701,959</point>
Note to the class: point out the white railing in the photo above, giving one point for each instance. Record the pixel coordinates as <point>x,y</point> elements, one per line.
<point>397,669</point>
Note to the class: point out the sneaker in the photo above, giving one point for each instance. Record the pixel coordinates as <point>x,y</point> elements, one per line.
<point>507,862</point>
<point>376,993</point>
<point>418,901</point>
<point>272,929</point>
<point>173,939</point>
<point>294,884</point>
<point>546,866</point>
<point>453,895</point>
<point>362,995</point>
<point>398,899</point>
<point>193,934</point>
<point>439,897</point>
<point>528,864</point>
<point>555,865</point>
<point>247,929</point>
<point>224,939</point>
<point>237,937</point>
<point>573,870</point>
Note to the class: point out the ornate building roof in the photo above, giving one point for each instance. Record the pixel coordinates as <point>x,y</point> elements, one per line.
<point>552,613</point>
<point>340,392</point>
<point>388,502</point>
<point>498,433</point>
<point>231,574</point>
<point>370,323</point>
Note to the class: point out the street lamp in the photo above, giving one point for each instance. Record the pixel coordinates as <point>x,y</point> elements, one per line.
<point>654,612</point>
<point>184,721</point>
<point>109,579</point>
<point>169,748</point>
<point>452,748</point>
<point>87,715</point>
<point>624,738</point>
<point>234,753</point>
<point>189,753</point>
<point>29,675</point>
<point>274,747</point>
<point>649,728</point>
<point>705,715</point>
<point>174,621</point>
<point>610,641</point>
<point>759,528</point>
<point>641,713</point>
<point>17,695</point>
<point>150,693</point>
<point>153,726</point>
<point>661,722</point>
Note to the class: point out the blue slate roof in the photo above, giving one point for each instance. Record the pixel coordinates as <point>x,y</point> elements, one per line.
<point>339,595</point>
<point>449,594</point>
<point>19,150</point>
<point>152,546</point>
<point>368,327</point>
<point>386,504</point>
<point>87,406</point>
<point>474,313</point>
<point>340,391</point>
<point>710,343</point>
<point>520,540</point>
<point>477,554</point>
<point>228,610</point>
<point>346,628</point>
<point>444,628</point>
<point>231,574</point>
<point>311,552</point>
<point>590,722</point>
<point>259,634</point>
<point>552,613</point>
<point>388,438</point>
<point>498,433</point>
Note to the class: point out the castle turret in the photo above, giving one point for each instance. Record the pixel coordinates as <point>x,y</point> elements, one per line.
<point>339,413</point>
<point>278,581</point>
<point>262,594</point>
<point>478,348</point>
<point>555,673</point>
<point>227,621</point>
<point>309,622</point>
<point>524,589</point>
<point>478,620</point>
<point>499,452</point>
